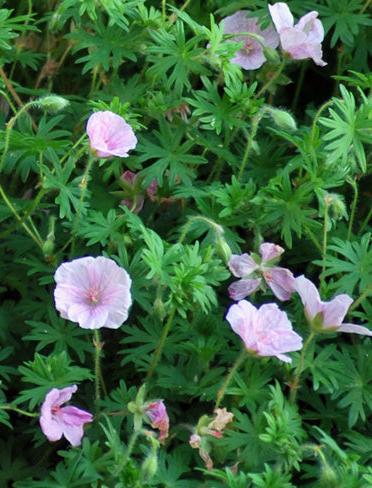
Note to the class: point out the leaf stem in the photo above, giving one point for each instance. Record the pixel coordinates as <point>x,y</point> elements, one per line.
<point>221,392</point>
<point>325,239</point>
<point>159,349</point>
<point>299,370</point>
<point>272,79</point>
<point>353,208</point>
<point>255,122</point>
<point>98,378</point>
<point>18,410</point>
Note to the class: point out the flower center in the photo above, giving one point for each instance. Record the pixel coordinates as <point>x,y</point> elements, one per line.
<point>249,45</point>
<point>55,409</point>
<point>93,296</point>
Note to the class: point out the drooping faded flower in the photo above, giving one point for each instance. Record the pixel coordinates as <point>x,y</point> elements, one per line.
<point>158,417</point>
<point>135,197</point>
<point>326,316</point>
<point>251,55</point>
<point>57,421</point>
<point>300,41</point>
<point>251,268</point>
<point>110,135</point>
<point>94,292</point>
<point>265,331</point>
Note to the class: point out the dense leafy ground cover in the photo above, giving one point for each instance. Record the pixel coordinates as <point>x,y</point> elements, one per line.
<point>180,353</point>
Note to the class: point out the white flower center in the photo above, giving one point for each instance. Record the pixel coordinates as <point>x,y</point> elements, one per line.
<point>93,296</point>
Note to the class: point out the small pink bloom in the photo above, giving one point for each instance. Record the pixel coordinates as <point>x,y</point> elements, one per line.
<point>158,416</point>
<point>327,316</point>
<point>94,292</point>
<point>265,331</point>
<point>251,55</point>
<point>57,421</point>
<point>110,135</point>
<point>300,41</point>
<point>280,280</point>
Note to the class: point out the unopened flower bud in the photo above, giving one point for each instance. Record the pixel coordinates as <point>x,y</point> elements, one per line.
<point>52,103</point>
<point>150,465</point>
<point>336,205</point>
<point>223,249</point>
<point>271,55</point>
<point>48,247</point>
<point>328,477</point>
<point>283,119</point>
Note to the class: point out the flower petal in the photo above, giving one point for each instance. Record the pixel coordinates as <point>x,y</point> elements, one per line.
<point>335,310</point>
<point>281,16</point>
<point>355,329</point>
<point>309,296</point>
<point>243,288</point>
<point>242,265</point>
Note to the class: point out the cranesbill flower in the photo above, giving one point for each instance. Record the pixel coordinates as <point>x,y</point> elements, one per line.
<point>94,292</point>
<point>157,414</point>
<point>300,41</point>
<point>251,55</point>
<point>110,135</point>
<point>252,268</point>
<point>57,421</point>
<point>265,331</point>
<point>326,316</point>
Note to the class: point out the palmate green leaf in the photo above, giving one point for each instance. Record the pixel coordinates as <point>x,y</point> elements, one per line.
<point>99,228</point>
<point>271,478</point>
<point>345,17</point>
<point>10,26</point>
<point>168,150</point>
<point>171,469</point>
<point>4,415</point>
<point>215,112</point>
<point>349,128</point>
<point>287,208</point>
<point>355,390</point>
<point>54,371</point>
<point>354,268</point>
<point>58,335</point>
<point>107,47</point>
<point>174,59</point>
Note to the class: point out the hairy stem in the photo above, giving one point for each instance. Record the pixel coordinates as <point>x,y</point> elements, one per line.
<point>300,367</point>
<point>272,79</point>
<point>98,378</point>
<point>18,410</point>
<point>159,349</point>
<point>186,228</point>
<point>221,392</point>
<point>353,209</point>
<point>255,122</point>
<point>325,239</point>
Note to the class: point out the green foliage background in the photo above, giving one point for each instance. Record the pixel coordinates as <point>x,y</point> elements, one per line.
<point>228,175</point>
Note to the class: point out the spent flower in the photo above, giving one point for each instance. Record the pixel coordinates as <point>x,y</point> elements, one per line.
<point>251,56</point>
<point>110,135</point>
<point>265,331</point>
<point>251,268</point>
<point>57,421</point>
<point>326,316</point>
<point>302,40</point>
<point>156,412</point>
<point>94,292</point>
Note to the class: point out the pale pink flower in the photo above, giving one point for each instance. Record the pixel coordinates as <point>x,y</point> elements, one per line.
<point>57,421</point>
<point>265,331</point>
<point>252,268</point>
<point>157,413</point>
<point>94,292</point>
<point>110,135</point>
<point>326,316</point>
<point>251,55</point>
<point>300,41</point>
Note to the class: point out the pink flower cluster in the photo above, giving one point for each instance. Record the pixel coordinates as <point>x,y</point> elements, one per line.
<point>267,331</point>
<point>299,41</point>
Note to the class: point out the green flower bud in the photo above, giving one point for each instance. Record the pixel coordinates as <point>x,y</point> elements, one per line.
<point>283,119</point>
<point>48,247</point>
<point>149,466</point>
<point>52,103</point>
<point>271,55</point>
<point>223,249</point>
<point>328,477</point>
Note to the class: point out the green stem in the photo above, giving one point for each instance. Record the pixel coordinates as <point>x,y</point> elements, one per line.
<point>8,130</point>
<point>221,392</point>
<point>300,367</point>
<point>366,221</point>
<point>299,85</point>
<point>163,9</point>
<point>353,209</point>
<point>9,204</point>
<point>358,301</point>
<point>97,365</point>
<point>18,410</point>
<point>159,349</point>
<point>131,444</point>
<point>272,79</point>
<point>325,239</point>
<point>186,228</point>
<point>365,6</point>
<point>314,127</point>
<point>313,239</point>
<point>255,122</point>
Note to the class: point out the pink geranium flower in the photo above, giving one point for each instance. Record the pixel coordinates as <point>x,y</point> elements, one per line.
<point>326,316</point>
<point>252,268</point>
<point>110,135</point>
<point>300,41</point>
<point>158,417</point>
<point>265,331</point>
<point>94,292</point>
<point>57,421</point>
<point>251,55</point>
